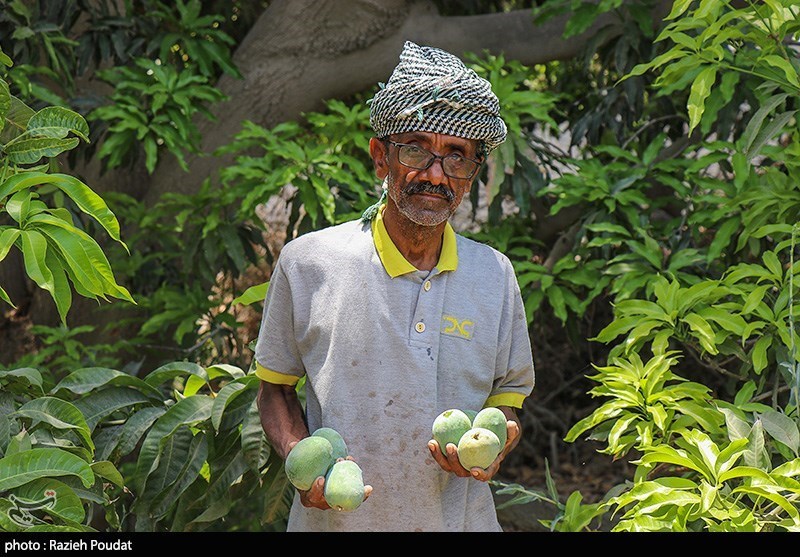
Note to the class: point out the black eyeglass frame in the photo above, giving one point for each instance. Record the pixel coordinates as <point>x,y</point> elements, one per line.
<point>434,156</point>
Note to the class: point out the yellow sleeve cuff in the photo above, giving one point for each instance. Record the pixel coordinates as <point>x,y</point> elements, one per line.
<point>274,377</point>
<point>514,400</point>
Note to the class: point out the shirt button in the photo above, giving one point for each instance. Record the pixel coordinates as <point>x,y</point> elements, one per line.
<point>427,285</point>
<point>420,327</point>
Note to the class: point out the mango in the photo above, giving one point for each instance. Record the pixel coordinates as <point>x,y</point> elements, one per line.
<point>494,420</point>
<point>309,459</point>
<point>344,486</point>
<point>336,440</point>
<point>478,447</point>
<point>449,426</point>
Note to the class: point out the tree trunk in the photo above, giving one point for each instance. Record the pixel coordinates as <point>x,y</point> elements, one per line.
<point>302,52</point>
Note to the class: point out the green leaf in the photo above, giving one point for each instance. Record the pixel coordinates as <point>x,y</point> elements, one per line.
<point>23,467</point>
<point>783,65</point>
<point>617,327</point>
<point>106,469</point>
<point>27,375</point>
<point>779,500</point>
<point>775,126</point>
<point>85,380</point>
<point>88,201</point>
<point>135,427</point>
<point>703,332</point>
<point>782,428</point>
<point>172,457</point>
<point>194,383</point>
<point>34,250</point>
<point>5,101</point>
<point>255,447</point>
<point>582,18</point>
<point>252,295</point>
<point>172,370</point>
<point>62,295</point>
<point>103,403</point>
<point>728,456</point>
<point>755,298</point>
<point>736,426</point>
<point>191,464</point>
<point>701,88</point>
<point>228,394</point>
<point>225,370</point>
<point>722,237</point>
<point>56,498</point>
<point>186,412</point>
<point>678,8</point>
<point>609,410</point>
<point>30,151</point>
<point>759,353</point>
<point>58,413</point>
<point>15,119</point>
<point>726,319</point>
<point>278,492</point>
<point>754,124</point>
<point>51,119</point>
<point>773,264</point>
<point>224,477</point>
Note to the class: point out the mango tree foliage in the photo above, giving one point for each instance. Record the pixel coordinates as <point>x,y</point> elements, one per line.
<point>174,450</point>
<point>58,254</point>
<point>719,283</point>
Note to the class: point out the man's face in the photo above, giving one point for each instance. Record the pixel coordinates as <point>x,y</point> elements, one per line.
<point>427,196</point>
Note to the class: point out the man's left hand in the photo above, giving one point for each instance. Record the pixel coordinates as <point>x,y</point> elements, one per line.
<point>450,462</point>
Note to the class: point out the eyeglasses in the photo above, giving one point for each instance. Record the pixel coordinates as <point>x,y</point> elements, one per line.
<point>454,165</point>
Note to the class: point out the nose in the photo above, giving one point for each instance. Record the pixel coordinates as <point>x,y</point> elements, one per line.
<point>435,172</point>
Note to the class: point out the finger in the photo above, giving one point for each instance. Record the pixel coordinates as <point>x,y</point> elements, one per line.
<point>454,463</point>
<point>440,459</point>
<point>367,491</point>
<point>513,429</point>
<point>452,456</point>
<point>317,493</point>
<point>480,474</point>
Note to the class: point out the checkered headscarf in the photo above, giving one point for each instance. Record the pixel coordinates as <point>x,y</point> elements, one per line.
<point>431,90</point>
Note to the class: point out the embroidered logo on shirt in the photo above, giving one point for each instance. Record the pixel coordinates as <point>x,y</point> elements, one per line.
<point>454,327</point>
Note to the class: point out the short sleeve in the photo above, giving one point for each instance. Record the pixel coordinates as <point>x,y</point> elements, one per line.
<point>514,373</point>
<point>277,356</point>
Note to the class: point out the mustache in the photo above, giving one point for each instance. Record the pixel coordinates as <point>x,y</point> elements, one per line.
<point>427,187</point>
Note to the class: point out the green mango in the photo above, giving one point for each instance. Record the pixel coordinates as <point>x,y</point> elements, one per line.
<point>449,426</point>
<point>344,486</point>
<point>494,420</point>
<point>478,447</point>
<point>336,440</point>
<point>309,459</point>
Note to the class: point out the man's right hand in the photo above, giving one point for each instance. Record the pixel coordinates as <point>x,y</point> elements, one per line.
<point>315,497</point>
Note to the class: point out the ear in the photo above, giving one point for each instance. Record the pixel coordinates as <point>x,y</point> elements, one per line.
<point>379,154</point>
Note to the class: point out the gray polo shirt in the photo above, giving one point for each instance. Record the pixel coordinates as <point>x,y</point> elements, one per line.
<point>385,348</point>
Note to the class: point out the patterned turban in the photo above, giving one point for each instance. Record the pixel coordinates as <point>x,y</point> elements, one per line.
<point>431,90</point>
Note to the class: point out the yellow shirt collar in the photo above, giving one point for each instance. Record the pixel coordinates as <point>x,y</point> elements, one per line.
<point>394,262</point>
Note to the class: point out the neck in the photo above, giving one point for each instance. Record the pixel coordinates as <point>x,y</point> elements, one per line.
<point>420,245</point>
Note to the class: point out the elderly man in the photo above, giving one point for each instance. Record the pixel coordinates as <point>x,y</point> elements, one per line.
<point>395,317</point>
